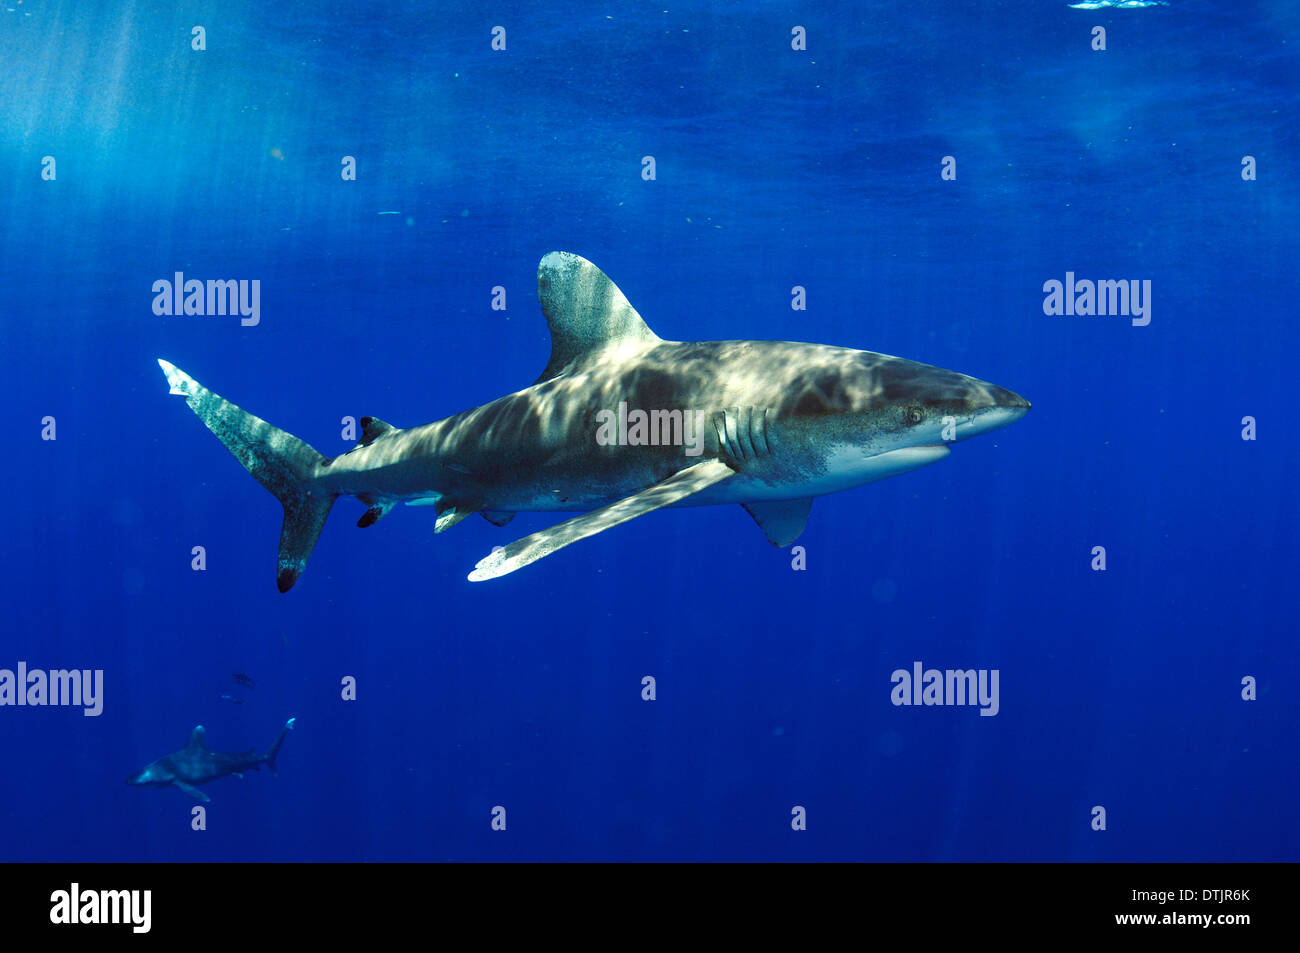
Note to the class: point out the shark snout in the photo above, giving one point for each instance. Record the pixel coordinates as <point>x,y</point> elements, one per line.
<point>1008,399</point>
<point>149,775</point>
<point>999,408</point>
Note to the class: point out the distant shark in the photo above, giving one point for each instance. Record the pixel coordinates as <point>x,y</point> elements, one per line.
<point>195,764</point>
<point>776,424</point>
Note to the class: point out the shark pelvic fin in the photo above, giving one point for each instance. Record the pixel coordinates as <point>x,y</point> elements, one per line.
<point>532,548</point>
<point>585,311</point>
<point>782,520</point>
<point>192,791</point>
<point>496,517</point>
<point>449,514</point>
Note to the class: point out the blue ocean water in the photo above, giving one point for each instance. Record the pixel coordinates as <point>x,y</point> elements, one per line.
<point>774,167</point>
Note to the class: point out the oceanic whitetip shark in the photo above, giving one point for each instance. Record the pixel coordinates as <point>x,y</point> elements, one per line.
<point>197,764</point>
<point>781,423</point>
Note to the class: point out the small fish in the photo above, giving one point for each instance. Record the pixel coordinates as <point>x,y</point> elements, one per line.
<point>232,699</point>
<point>243,679</point>
<point>1117,4</point>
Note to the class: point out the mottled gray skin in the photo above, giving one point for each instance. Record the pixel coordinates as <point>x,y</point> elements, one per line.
<point>195,764</point>
<point>537,449</point>
<point>782,423</point>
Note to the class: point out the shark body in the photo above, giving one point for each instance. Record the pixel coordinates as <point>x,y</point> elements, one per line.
<point>195,764</point>
<point>775,425</point>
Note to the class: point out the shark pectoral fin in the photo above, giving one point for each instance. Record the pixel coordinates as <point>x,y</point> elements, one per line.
<point>192,791</point>
<point>496,517</point>
<point>532,548</point>
<point>782,520</point>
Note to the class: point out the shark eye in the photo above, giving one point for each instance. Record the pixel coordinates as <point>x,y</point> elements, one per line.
<point>914,416</point>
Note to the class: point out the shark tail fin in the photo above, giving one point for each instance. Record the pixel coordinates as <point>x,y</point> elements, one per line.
<point>274,751</point>
<point>278,460</point>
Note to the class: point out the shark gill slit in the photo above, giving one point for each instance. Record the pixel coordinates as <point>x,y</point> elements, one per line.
<point>742,433</point>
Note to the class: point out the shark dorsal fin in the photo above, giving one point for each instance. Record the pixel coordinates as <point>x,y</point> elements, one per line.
<point>196,738</point>
<point>584,310</point>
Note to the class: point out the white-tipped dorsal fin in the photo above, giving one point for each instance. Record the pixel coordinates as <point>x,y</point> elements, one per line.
<point>585,311</point>
<point>196,738</point>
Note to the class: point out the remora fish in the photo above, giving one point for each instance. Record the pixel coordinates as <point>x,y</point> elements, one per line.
<point>780,423</point>
<point>195,764</point>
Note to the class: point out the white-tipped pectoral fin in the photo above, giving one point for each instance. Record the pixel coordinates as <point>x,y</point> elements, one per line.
<point>192,791</point>
<point>178,381</point>
<point>532,548</point>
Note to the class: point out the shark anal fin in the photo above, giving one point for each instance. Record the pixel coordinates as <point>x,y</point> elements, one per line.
<point>782,520</point>
<point>373,515</point>
<point>372,428</point>
<point>192,791</point>
<point>532,548</point>
<point>496,517</point>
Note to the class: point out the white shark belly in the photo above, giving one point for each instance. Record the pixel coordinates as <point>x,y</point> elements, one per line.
<point>844,467</point>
